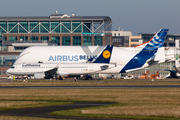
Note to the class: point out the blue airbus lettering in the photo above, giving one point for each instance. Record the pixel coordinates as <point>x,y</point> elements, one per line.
<point>71,57</point>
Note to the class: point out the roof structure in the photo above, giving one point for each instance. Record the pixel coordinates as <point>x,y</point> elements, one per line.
<point>59,17</point>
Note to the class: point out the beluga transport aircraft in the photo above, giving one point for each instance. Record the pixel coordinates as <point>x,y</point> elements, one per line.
<point>62,61</point>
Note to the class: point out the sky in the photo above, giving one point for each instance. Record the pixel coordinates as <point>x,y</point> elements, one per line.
<point>138,16</point>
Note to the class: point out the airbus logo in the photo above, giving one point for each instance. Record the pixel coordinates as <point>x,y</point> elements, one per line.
<point>88,55</point>
<point>71,57</point>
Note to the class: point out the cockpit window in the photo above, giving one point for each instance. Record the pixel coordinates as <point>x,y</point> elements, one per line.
<point>12,66</point>
<point>40,62</point>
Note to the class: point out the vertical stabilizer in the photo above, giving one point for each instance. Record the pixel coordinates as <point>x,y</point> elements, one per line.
<point>149,50</point>
<point>105,56</point>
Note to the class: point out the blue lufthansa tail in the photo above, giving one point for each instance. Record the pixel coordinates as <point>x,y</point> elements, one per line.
<point>147,52</point>
<point>105,56</point>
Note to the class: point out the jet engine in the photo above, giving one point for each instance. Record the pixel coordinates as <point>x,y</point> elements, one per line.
<point>40,75</point>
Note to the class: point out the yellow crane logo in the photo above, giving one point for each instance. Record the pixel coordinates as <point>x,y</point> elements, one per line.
<point>106,54</point>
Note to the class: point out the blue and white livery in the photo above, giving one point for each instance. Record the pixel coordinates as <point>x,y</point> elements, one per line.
<point>43,61</point>
<point>149,50</point>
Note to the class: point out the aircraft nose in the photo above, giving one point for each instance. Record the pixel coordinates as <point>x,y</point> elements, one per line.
<point>8,71</point>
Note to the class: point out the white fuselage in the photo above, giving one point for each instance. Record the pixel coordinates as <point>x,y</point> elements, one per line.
<point>86,59</point>
<point>71,60</point>
<point>64,69</point>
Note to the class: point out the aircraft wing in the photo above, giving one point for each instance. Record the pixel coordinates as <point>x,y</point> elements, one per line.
<point>51,72</point>
<point>47,74</point>
<point>170,70</point>
<point>173,73</point>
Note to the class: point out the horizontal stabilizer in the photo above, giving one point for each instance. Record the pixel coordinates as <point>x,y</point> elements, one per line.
<point>160,55</point>
<point>104,67</point>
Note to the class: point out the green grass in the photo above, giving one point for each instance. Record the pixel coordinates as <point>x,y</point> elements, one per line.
<point>24,118</point>
<point>143,103</point>
<point>17,104</point>
<point>78,113</point>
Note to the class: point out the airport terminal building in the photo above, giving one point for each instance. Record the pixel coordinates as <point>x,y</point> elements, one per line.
<point>17,33</point>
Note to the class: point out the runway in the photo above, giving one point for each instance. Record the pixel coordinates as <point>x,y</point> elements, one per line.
<point>5,80</point>
<point>89,87</point>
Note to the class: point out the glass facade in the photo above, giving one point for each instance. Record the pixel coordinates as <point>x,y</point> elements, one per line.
<point>87,40</point>
<point>66,40</point>
<point>76,40</point>
<point>12,38</point>
<point>76,27</point>
<point>1,40</point>
<point>86,27</point>
<point>20,48</point>
<point>3,27</point>
<point>66,27</point>
<point>43,28</point>
<point>13,27</point>
<point>23,38</point>
<point>33,38</point>
<point>34,27</point>
<point>146,38</point>
<point>98,40</point>
<point>50,27</point>
<point>23,27</point>
<point>55,27</point>
<point>44,38</point>
<point>108,42</point>
<point>56,39</point>
<point>7,60</point>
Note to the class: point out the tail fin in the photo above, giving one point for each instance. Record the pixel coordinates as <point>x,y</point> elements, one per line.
<point>150,48</point>
<point>105,56</point>
<point>156,41</point>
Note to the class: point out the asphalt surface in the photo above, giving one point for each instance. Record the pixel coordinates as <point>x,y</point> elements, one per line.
<point>83,87</point>
<point>44,112</point>
<point>5,80</point>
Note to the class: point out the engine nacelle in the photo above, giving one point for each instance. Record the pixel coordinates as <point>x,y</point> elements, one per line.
<point>63,74</point>
<point>39,75</point>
